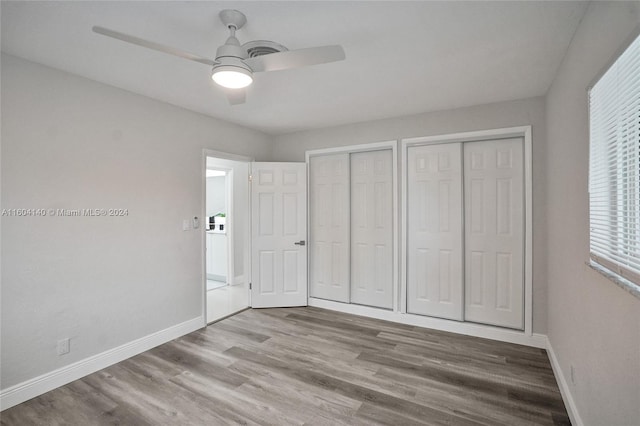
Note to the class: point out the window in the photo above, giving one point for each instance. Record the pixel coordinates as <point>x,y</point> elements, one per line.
<point>614,167</point>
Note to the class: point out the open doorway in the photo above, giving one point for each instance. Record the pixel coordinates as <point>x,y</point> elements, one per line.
<point>217,241</point>
<point>227,233</point>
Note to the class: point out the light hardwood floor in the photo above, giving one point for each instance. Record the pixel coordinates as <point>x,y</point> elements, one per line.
<point>311,366</point>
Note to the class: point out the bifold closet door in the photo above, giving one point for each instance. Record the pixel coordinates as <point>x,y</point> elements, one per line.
<point>494,232</point>
<point>329,227</point>
<point>434,231</point>
<point>372,228</point>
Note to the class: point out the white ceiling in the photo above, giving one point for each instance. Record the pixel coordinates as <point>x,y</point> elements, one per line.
<point>402,57</point>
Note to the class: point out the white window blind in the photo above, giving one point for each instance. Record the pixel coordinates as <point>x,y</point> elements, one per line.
<point>614,166</point>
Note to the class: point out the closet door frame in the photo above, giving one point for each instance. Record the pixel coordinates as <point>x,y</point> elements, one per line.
<point>350,149</point>
<point>523,132</point>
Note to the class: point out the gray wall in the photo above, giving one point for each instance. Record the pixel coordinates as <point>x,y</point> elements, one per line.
<point>592,324</point>
<point>68,142</point>
<point>292,147</point>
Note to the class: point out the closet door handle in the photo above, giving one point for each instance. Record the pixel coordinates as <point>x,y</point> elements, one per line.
<point>300,243</point>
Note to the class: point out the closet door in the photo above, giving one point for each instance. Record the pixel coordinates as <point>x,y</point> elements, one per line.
<point>434,231</point>
<point>372,228</point>
<point>329,226</point>
<point>494,232</point>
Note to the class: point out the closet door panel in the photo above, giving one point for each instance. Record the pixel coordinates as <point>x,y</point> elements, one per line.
<point>329,227</point>
<point>494,232</point>
<point>434,231</point>
<point>372,228</point>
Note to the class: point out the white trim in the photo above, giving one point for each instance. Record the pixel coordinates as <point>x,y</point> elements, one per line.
<point>396,227</point>
<point>249,259</point>
<point>509,132</point>
<point>565,390</point>
<point>617,279</point>
<point>477,135</point>
<point>528,231</point>
<point>404,211</point>
<point>203,237</point>
<point>467,328</point>
<point>373,146</point>
<point>225,156</point>
<point>366,147</point>
<point>308,225</point>
<point>38,385</point>
<point>231,253</point>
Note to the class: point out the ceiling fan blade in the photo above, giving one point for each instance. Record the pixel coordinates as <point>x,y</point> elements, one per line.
<point>153,45</point>
<point>296,58</point>
<point>236,96</point>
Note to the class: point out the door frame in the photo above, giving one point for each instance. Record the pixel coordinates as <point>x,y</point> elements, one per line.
<point>523,132</point>
<point>203,212</point>
<point>350,149</point>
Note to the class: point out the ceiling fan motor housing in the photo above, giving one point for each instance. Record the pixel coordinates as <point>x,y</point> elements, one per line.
<point>231,48</point>
<point>230,63</point>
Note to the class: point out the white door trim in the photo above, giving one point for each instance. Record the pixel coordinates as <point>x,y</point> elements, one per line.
<point>374,146</point>
<point>510,132</point>
<point>203,212</point>
<point>347,149</point>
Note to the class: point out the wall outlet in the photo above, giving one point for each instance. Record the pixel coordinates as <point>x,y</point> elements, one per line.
<point>573,375</point>
<point>64,346</point>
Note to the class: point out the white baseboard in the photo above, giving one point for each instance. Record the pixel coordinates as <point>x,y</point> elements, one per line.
<point>37,386</point>
<point>470,329</point>
<point>565,390</point>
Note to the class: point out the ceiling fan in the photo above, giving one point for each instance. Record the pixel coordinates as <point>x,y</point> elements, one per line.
<point>235,64</point>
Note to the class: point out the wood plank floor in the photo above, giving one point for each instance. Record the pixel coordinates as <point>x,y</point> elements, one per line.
<point>309,366</point>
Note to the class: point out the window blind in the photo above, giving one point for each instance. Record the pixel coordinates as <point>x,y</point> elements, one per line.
<point>614,166</point>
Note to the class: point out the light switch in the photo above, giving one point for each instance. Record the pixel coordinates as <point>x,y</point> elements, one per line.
<point>185,225</point>
<point>64,346</point>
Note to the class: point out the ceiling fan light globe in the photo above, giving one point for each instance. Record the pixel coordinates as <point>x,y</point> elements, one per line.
<point>232,77</point>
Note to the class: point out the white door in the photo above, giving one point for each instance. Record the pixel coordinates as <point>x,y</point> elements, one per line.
<point>329,219</point>
<point>372,228</point>
<point>494,229</point>
<point>434,231</point>
<point>279,217</point>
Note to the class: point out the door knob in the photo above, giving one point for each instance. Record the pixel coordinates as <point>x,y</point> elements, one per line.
<point>300,243</point>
